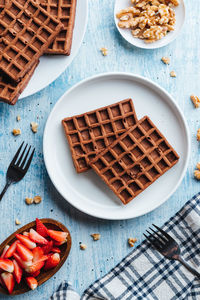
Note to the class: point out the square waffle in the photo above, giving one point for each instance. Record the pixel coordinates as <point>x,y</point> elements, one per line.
<point>64,11</point>
<point>26,31</point>
<point>92,132</point>
<point>2,4</point>
<point>10,90</point>
<point>135,160</point>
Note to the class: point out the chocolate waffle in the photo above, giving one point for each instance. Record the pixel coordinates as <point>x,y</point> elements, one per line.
<point>135,160</point>
<point>64,11</point>
<point>10,90</point>
<point>26,31</point>
<point>92,132</point>
<point>2,4</point>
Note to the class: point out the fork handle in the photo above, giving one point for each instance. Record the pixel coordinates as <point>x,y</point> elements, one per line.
<point>185,264</point>
<point>8,183</point>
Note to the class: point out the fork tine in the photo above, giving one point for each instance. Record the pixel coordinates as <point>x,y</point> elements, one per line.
<point>156,239</point>
<point>159,235</point>
<point>152,242</point>
<point>163,232</point>
<point>25,158</point>
<point>29,161</point>
<point>17,154</point>
<point>21,156</point>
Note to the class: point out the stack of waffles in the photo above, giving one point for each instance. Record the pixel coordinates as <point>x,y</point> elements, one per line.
<point>128,154</point>
<point>29,29</point>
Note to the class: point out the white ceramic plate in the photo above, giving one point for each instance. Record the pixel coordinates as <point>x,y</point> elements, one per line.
<point>87,191</point>
<point>127,35</point>
<point>52,66</point>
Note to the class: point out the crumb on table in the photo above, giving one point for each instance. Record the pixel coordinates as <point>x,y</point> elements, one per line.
<point>165,60</point>
<point>173,74</point>
<point>16,132</point>
<point>17,222</point>
<point>83,246</point>
<point>29,200</point>
<point>104,51</point>
<point>37,199</point>
<point>132,241</point>
<point>96,236</point>
<point>195,100</point>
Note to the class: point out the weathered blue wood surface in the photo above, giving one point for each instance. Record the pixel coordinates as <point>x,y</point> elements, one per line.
<point>83,267</point>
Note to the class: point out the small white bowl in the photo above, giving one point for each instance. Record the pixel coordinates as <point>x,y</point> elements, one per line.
<point>171,36</point>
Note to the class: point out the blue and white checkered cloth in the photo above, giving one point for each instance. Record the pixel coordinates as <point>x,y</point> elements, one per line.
<point>145,274</point>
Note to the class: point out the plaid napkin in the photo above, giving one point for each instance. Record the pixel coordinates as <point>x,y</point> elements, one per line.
<point>145,274</point>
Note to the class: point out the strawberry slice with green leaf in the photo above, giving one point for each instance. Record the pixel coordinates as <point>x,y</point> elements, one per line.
<point>41,228</point>
<point>37,238</point>
<point>11,249</point>
<point>32,282</point>
<point>9,281</point>
<point>52,261</point>
<point>58,236</point>
<point>6,265</point>
<point>17,271</point>
<point>24,253</point>
<point>26,241</point>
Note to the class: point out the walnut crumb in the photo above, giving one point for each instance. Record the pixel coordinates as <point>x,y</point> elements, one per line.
<point>37,199</point>
<point>198,135</point>
<point>29,200</point>
<point>132,241</point>
<point>195,100</point>
<point>172,74</point>
<point>17,221</point>
<point>104,51</point>
<point>34,127</point>
<point>165,60</point>
<point>197,174</point>
<point>16,132</point>
<point>96,236</point>
<point>18,118</point>
<point>83,246</point>
<point>198,166</point>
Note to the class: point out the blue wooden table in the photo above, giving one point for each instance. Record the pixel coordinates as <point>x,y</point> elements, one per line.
<point>83,267</point>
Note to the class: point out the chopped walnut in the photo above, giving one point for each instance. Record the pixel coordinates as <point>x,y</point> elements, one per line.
<point>17,222</point>
<point>195,100</point>
<point>34,127</point>
<point>37,199</point>
<point>132,241</point>
<point>83,246</point>
<point>172,74</point>
<point>165,60</point>
<point>16,132</point>
<point>197,174</point>
<point>198,135</point>
<point>104,51</point>
<point>149,20</point>
<point>18,118</point>
<point>198,166</point>
<point>29,200</point>
<point>96,236</point>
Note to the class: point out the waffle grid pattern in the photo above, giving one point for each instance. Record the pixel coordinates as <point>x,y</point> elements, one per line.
<point>10,90</point>
<point>26,31</point>
<point>64,11</point>
<point>92,132</point>
<point>135,160</point>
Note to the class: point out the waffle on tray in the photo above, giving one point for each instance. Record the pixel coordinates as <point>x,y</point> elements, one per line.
<point>64,11</point>
<point>135,160</point>
<point>92,132</point>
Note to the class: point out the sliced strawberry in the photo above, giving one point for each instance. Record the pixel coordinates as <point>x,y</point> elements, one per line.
<point>6,265</point>
<point>26,241</point>
<point>52,261</point>
<point>26,233</point>
<point>56,250</point>
<point>17,271</point>
<point>9,281</point>
<point>23,264</point>
<point>58,236</point>
<point>4,251</point>
<point>47,248</point>
<point>35,274</point>
<point>32,282</point>
<point>35,267</point>
<point>59,243</point>
<point>11,249</point>
<point>38,255</point>
<point>24,253</point>
<point>41,228</point>
<point>37,238</point>
<point>1,282</point>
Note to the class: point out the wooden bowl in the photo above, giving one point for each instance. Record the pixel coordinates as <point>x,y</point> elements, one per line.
<point>44,275</point>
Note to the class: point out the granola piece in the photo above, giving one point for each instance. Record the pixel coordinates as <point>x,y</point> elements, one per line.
<point>29,200</point>
<point>165,60</point>
<point>195,100</point>
<point>37,199</point>
<point>132,241</point>
<point>16,132</point>
<point>17,222</point>
<point>34,127</point>
<point>104,51</point>
<point>96,236</point>
<point>197,174</point>
<point>18,118</point>
<point>172,74</point>
<point>83,246</point>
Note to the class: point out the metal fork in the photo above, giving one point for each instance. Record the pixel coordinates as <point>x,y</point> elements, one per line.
<point>18,167</point>
<point>168,247</point>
